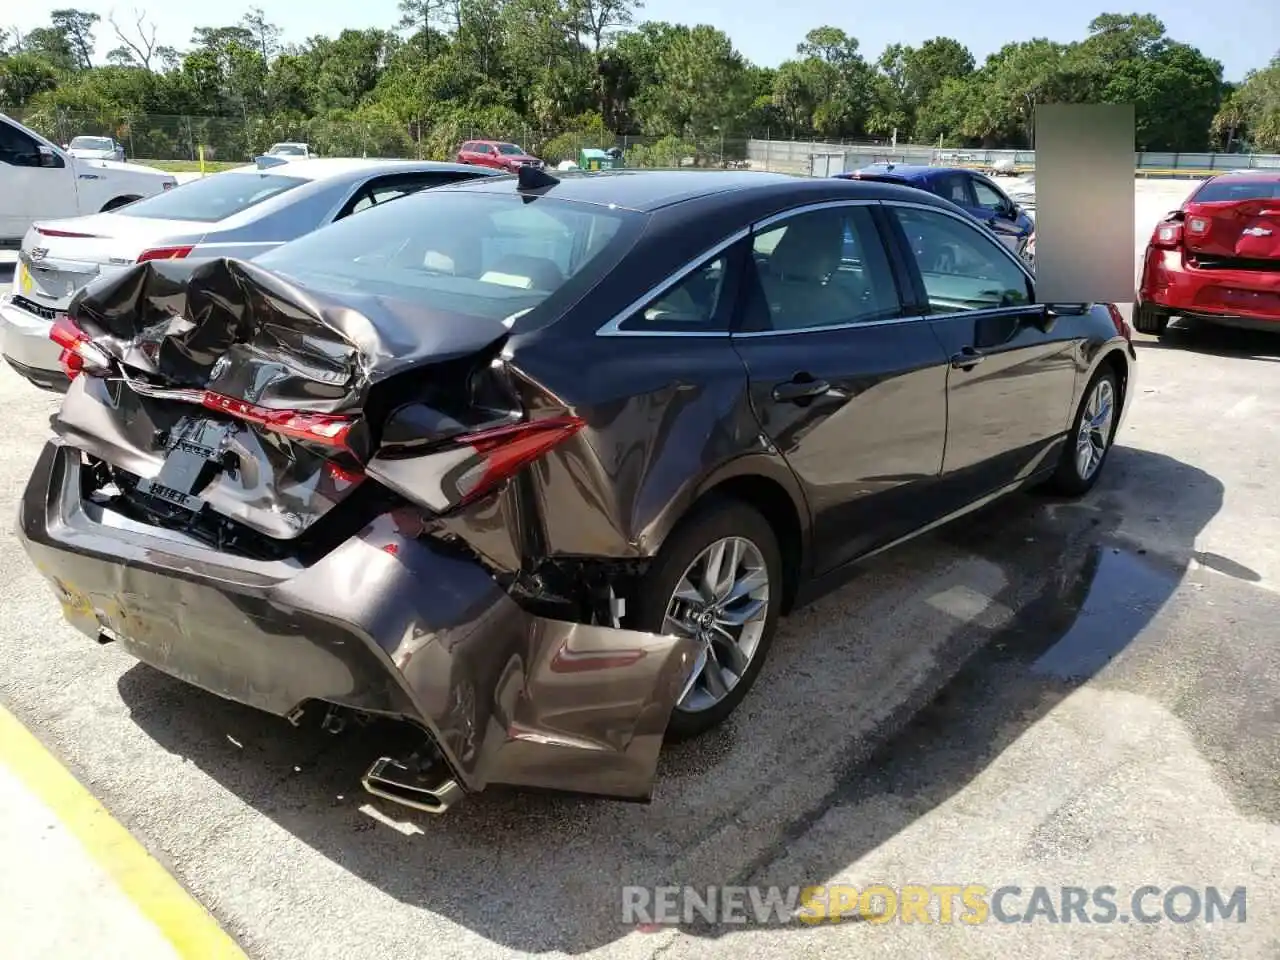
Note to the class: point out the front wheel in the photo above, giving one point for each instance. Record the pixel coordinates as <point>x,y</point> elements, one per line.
<point>1092,432</point>
<point>718,579</point>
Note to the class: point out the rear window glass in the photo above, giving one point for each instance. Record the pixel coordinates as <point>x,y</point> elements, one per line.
<point>474,254</point>
<point>1216,191</point>
<point>211,199</point>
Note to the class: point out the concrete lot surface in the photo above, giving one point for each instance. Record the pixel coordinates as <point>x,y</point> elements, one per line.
<point>1047,693</point>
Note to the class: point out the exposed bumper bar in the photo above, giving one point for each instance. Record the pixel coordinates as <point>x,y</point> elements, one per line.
<point>387,624</point>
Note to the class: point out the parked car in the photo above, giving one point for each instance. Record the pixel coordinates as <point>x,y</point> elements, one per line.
<point>967,189</point>
<point>239,213</point>
<point>291,151</point>
<point>1216,259</point>
<point>537,464</point>
<point>41,181</point>
<point>507,157</point>
<point>1005,167</point>
<point>95,148</point>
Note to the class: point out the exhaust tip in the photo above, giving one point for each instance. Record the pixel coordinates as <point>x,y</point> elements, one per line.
<point>431,791</point>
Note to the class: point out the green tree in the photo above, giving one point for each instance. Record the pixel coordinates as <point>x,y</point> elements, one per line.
<point>77,26</point>
<point>22,76</point>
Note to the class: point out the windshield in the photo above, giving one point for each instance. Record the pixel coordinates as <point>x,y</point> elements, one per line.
<point>511,150</point>
<point>1216,191</point>
<point>468,253</point>
<point>92,143</point>
<point>290,148</point>
<point>211,199</point>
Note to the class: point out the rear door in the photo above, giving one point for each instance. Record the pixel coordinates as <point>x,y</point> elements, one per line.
<point>849,386</point>
<point>1011,373</point>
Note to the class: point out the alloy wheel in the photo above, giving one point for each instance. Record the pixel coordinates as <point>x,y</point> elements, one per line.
<point>1095,428</point>
<point>721,600</point>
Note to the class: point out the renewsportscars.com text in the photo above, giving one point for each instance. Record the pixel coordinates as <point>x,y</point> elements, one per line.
<point>932,904</point>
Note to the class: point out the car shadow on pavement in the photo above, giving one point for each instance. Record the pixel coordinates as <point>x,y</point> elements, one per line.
<point>1218,342</point>
<point>902,687</point>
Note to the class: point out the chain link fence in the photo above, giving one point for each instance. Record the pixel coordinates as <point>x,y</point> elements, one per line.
<point>155,137</point>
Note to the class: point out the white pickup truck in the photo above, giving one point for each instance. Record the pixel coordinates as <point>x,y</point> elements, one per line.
<point>39,181</point>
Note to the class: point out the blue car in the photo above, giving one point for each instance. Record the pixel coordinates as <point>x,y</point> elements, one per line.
<point>971,191</point>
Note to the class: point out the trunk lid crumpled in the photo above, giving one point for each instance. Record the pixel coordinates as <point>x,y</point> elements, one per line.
<point>197,340</point>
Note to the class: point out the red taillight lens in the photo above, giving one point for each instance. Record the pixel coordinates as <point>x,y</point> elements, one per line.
<point>1197,226</point>
<point>1168,236</point>
<point>504,450</point>
<point>322,428</point>
<point>163,253</point>
<point>1122,325</point>
<point>46,232</point>
<point>79,355</point>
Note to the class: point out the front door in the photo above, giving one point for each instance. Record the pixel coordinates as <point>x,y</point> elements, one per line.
<point>1011,372</point>
<point>850,389</point>
<point>28,188</point>
<point>996,210</point>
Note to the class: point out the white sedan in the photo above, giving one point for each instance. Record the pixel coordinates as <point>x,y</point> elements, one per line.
<point>241,213</point>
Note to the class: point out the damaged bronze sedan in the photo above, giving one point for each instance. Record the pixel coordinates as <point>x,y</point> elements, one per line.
<point>537,464</point>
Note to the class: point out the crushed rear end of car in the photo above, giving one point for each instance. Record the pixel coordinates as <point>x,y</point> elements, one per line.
<point>1217,258</point>
<point>256,488</point>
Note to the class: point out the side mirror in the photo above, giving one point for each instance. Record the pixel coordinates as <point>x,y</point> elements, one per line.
<point>47,157</point>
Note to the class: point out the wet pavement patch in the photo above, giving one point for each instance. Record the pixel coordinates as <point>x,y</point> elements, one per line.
<point>1122,592</point>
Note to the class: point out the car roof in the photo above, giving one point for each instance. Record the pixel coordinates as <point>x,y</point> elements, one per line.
<point>1258,176</point>
<point>327,168</point>
<point>646,191</point>
<point>639,190</point>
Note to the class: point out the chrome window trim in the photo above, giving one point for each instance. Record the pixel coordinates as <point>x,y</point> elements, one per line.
<point>826,328</point>
<point>769,221</point>
<point>613,327</point>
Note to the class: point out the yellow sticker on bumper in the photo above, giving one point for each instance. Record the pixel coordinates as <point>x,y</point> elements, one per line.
<point>24,283</point>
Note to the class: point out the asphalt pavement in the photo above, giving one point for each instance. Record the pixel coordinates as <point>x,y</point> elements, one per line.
<point>1047,693</point>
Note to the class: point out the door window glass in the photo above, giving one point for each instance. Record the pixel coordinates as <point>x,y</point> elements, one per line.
<point>824,268</point>
<point>694,305</point>
<point>955,187</point>
<point>963,268</point>
<point>987,197</point>
<point>17,148</point>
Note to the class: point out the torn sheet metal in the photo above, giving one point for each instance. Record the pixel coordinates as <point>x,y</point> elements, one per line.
<point>390,623</point>
<point>233,328</point>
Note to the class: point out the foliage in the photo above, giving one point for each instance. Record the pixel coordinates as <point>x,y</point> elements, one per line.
<point>560,75</point>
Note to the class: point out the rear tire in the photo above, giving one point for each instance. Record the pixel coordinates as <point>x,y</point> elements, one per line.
<point>1078,469</point>
<point>1150,319</point>
<point>739,649</point>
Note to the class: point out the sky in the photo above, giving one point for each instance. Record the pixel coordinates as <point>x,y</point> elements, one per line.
<point>765,31</point>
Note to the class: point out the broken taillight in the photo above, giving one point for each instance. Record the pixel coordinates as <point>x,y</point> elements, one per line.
<point>1167,236</point>
<point>323,428</point>
<point>79,355</point>
<point>163,253</point>
<point>502,451</point>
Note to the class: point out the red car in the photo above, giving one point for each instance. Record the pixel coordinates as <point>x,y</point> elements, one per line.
<point>1217,258</point>
<point>496,154</point>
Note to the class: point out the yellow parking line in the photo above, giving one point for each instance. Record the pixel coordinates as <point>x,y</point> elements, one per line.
<point>191,929</point>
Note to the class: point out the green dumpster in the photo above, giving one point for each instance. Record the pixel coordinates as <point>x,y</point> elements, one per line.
<point>598,160</point>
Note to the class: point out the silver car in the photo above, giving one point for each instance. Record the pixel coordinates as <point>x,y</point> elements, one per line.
<point>96,148</point>
<point>241,213</point>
